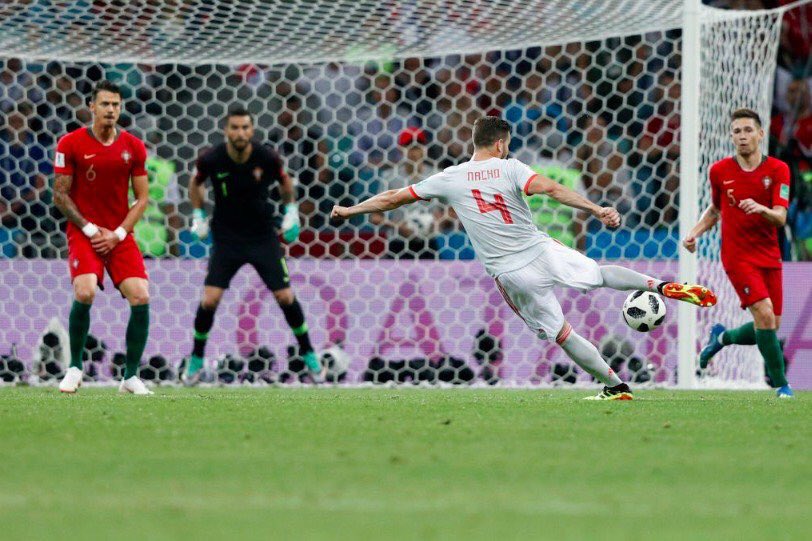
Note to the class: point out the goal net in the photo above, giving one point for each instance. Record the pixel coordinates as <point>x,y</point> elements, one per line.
<point>362,96</point>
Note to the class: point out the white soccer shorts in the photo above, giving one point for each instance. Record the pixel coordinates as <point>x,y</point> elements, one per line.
<point>529,290</point>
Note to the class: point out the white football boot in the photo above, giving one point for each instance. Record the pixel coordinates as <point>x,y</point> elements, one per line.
<point>134,386</point>
<point>71,381</point>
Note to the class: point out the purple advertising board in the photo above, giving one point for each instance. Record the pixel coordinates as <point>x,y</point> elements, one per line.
<point>391,309</point>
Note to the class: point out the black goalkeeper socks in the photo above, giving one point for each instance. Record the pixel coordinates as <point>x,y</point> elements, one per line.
<point>204,319</point>
<point>295,318</point>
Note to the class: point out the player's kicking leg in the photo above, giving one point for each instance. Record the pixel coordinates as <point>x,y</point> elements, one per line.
<point>621,278</point>
<point>529,292</point>
<point>136,291</point>
<point>587,356</point>
<point>84,292</point>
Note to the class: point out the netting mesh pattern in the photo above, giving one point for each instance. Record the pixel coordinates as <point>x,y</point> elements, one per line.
<point>600,116</point>
<point>292,31</point>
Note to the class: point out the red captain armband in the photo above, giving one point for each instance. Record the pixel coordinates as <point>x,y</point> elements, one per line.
<point>414,194</point>
<point>527,184</point>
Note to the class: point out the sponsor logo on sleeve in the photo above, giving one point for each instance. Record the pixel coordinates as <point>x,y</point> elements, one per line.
<point>784,192</point>
<point>60,159</point>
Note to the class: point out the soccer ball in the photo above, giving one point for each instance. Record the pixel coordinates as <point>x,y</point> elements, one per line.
<point>336,360</point>
<point>643,311</point>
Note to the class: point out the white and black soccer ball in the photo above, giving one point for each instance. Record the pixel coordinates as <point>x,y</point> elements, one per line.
<point>337,362</point>
<point>644,311</point>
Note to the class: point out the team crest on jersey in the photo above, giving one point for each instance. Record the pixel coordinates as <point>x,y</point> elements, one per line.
<point>257,173</point>
<point>767,182</point>
<point>126,156</point>
<point>746,290</point>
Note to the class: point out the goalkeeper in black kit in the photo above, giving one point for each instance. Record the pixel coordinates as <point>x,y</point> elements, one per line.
<point>242,172</point>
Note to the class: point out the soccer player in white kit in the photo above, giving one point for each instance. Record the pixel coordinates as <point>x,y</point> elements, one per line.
<point>486,194</point>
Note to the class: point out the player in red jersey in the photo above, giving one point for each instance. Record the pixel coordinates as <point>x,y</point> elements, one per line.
<point>93,167</point>
<point>750,193</point>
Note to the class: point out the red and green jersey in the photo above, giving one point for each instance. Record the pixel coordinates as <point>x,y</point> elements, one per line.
<point>101,173</point>
<point>749,238</point>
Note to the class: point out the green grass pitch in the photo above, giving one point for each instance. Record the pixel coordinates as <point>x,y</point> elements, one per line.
<point>403,464</point>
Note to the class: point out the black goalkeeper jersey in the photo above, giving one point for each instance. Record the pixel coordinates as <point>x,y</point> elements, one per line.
<point>242,206</point>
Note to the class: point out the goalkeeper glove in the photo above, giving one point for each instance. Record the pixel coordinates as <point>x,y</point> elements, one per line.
<point>200,225</point>
<point>290,223</point>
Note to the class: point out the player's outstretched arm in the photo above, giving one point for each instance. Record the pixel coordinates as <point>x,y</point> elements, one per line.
<point>706,222</point>
<point>543,185</point>
<point>64,203</point>
<point>382,202</point>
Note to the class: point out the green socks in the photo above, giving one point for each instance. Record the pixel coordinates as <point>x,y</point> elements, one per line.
<point>770,349</point>
<point>743,336</point>
<point>768,346</point>
<point>137,332</point>
<point>78,326</point>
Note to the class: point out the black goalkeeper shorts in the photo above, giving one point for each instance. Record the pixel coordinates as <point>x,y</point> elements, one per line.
<point>265,255</point>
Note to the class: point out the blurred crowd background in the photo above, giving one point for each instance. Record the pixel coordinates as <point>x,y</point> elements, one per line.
<point>601,117</point>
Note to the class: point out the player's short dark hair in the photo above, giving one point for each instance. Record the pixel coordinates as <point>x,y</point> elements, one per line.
<point>239,110</point>
<point>104,86</point>
<point>745,113</point>
<point>489,129</point>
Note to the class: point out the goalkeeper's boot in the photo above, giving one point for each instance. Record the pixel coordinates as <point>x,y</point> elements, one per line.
<point>618,392</point>
<point>693,293</point>
<point>785,392</point>
<point>713,346</point>
<point>71,381</point>
<point>317,372</point>
<point>194,369</point>
<point>134,386</point>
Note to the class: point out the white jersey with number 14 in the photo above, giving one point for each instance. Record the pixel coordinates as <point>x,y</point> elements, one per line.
<point>487,197</point>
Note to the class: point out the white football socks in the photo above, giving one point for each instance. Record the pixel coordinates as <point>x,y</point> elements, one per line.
<point>586,355</point>
<point>624,279</point>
